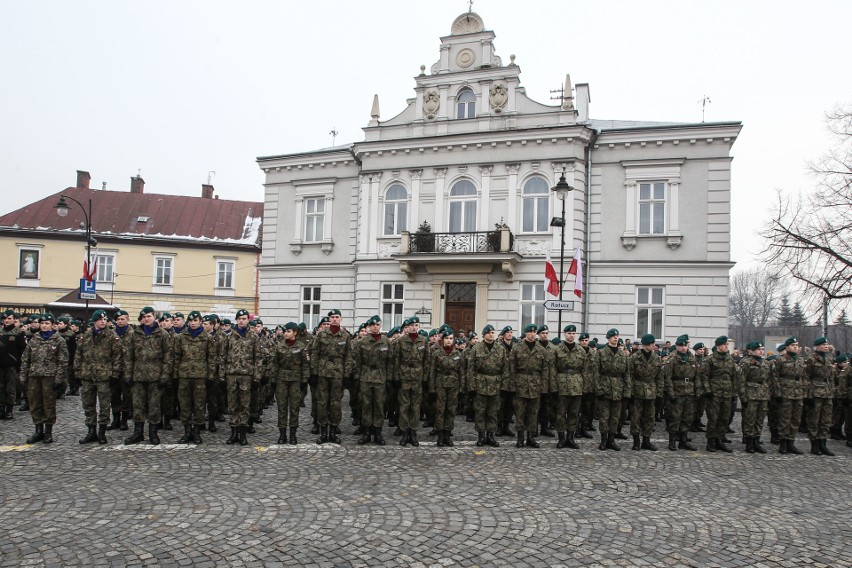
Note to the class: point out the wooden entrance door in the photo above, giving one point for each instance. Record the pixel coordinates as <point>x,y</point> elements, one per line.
<point>460,305</point>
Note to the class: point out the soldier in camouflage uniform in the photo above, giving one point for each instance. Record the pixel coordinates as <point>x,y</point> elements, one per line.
<point>570,369</point>
<point>195,357</point>
<point>148,368</point>
<point>44,365</point>
<point>410,359</point>
<point>329,350</point>
<point>487,366</point>
<point>392,387</point>
<point>528,367</point>
<point>720,382</point>
<point>172,324</point>
<point>97,365</point>
<point>215,387</point>
<point>819,371</point>
<point>646,371</point>
<point>446,381</point>
<point>290,368</point>
<point>241,365</point>
<point>613,387</point>
<point>507,388</point>
<point>788,390</point>
<point>121,399</point>
<point>470,394</point>
<point>754,395</point>
<point>681,383</point>
<point>14,341</point>
<point>844,393</point>
<point>369,361</point>
<point>587,404</point>
<point>549,392</point>
<point>700,402</point>
<point>70,383</point>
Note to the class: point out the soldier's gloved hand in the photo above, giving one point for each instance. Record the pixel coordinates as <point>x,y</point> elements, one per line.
<point>708,396</point>
<point>810,403</point>
<point>163,382</point>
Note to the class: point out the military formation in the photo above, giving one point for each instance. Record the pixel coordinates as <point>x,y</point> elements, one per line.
<point>197,368</point>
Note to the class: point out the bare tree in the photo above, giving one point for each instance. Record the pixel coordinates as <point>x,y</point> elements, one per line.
<point>755,297</point>
<point>810,236</point>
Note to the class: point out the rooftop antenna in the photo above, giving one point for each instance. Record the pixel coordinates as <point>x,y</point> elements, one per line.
<point>333,134</point>
<point>562,97</point>
<point>139,173</point>
<point>705,100</point>
<point>210,175</point>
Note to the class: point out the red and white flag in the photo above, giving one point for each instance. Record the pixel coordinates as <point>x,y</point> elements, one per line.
<point>551,281</point>
<point>576,269</point>
<point>89,270</point>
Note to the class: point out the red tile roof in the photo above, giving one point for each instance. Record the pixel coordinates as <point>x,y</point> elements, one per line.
<point>168,216</point>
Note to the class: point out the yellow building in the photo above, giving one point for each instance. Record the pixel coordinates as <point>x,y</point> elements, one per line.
<point>175,253</point>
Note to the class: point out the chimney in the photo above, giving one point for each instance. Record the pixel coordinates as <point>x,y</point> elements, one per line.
<point>582,101</point>
<point>137,185</point>
<point>206,191</point>
<point>83,179</point>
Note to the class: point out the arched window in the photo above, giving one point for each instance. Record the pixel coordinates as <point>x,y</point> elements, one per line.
<point>396,210</point>
<point>463,207</point>
<point>536,206</point>
<point>465,104</point>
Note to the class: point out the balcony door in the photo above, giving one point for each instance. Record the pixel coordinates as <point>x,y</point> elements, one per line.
<point>463,207</point>
<point>460,305</point>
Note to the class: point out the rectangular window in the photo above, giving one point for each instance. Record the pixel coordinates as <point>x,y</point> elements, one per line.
<point>462,216</point>
<point>649,311</point>
<point>314,219</point>
<point>163,267</point>
<point>652,208</point>
<point>224,274</point>
<point>395,218</point>
<point>532,304</point>
<point>392,295</point>
<point>105,268</point>
<point>311,305</point>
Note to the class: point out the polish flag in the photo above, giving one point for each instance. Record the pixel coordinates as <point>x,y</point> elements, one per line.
<point>576,269</point>
<point>551,281</point>
<point>89,271</point>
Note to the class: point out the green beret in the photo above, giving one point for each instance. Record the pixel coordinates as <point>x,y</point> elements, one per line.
<point>487,329</point>
<point>471,335</point>
<point>334,312</point>
<point>583,336</point>
<point>593,342</point>
<point>194,314</point>
<point>76,322</point>
<point>569,327</point>
<point>121,313</point>
<point>178,315</point>
<point>721,340</point>
<point>241,313</point>
<point>505,329</point>
<point>530,327</point>
<point>411,320</point>
<point>423,332</point>
<point>46,317</point>
<point>98,315</point>
<point>543,328</point>
<point>323,320</point>
<point>8,313</point>
<point>432,332</point>
<point>291,325</point>
<point>790,341</point>
<point>209,318</point>
<point>611,333</point>
<point>447,330</point>
<point>820,341</point>
<point>461,341</point>
<point>555,341</point>
<point>394,330</point>
<point>682,339</point>
<point>302,326</point>
<point>362,326</point>
<point>226,321</point>
<point>698,346</point>
<point>63,319</point>
<point>841,359</point>
<point>648,339</point>
<point>145,310</point>
<point>621,342</point>
<point>772,357</point>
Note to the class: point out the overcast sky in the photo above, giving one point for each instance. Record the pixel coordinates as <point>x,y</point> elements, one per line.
<point>178,89</point>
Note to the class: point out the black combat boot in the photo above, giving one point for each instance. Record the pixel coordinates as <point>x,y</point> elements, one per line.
<point>377,436</point>
<point>824,448</point>
<point>323,434</point>
<point>604,442</point>
<point>232,439</point>
<point>48,433</point>
<point>360,429</point>
<point>480,439</point>
<point>531,441</point>
<point>610,442</point>
<point>545,431</point>
<point>243,430</point>
<point>647,445</point>
<point>24,407</point>
<point>333,435</point>
<point>196,434</point>
<point>211,424</point>
<point>404,440</point>
<point>153,437</point>
<point>138,434</point>
<point>365,437</point>
<point>774,438</point>
<point>315,429</point>
<point>399,432</point>
<point>749,445</point>
<point>282,436</point>
<point>490,440</point>
<point>520,442</point>
<point>102,428</point>
<point>672,442</point>
<point>618,435</point>
<point>720,445</point>
<point>758,446</point>
<point>122,423</point>
<point>250,428</point>
<point>711,445</point>
<point>9,407</point>
<point>448,438</point>
<point>91,436</point>
<point>507,430</point>
<point>697,426</point>
<point>116,421</point>
<point>412,437</point>
<point>220,417</point>
<point>293,440</point>
<point>167,423</point>
<point>560,443</point>
<point>187,435</point>
<point>792,449</point>
<point>590,427</point>
<point>583,433</point>
<point>636,443</point>
<point>684,444</point>
<point>815,449</point>
<point>782,447</point>
<point>38,435</point>
<point>440,441</point>
<point>571,442</point>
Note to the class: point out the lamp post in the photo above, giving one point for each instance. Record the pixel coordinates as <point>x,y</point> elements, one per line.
<point>562,189</point>
<point>62,210</point>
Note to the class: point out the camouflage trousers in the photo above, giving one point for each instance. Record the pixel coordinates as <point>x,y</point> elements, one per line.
<point>679,414</point>
<point>526,413</point>
<point>789,417</point>
<point>772,416</point>
<point>700,407</point>
<point>392,401</point>
<point>507,406</point>
<point>547,409</point>
<point>427,402</point>
<point>410,400</point>
<point>121,397</point>
<point>609,414</point>
<point>446,401</point>
<point>192,397</point>
<point>168,399</point>
<point>372,404</point>
<point>837,414</point>
<point>642,416</point>
<point>313,381</point>
<point>146,402</point>
<point>354,388</point>
<point>41,395</point>
<point>753,416</point>
<point>568,413</point>
<point>216,398</point>
<point>819,418</point>
<point>587,408</point>
<point>92,393</point>
<point>329,397</point>
<point>288,394</point>
<point>8,385</point>
<point>718,410</point>
<point>485,411</point>
<point>239,399</point>
<point>256,399</point>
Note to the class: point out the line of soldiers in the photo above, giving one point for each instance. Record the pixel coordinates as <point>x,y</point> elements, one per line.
<point>197,367</point>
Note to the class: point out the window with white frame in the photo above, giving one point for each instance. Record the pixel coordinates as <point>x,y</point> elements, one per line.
<point>105,268</point>
<point>649,311</point>
<point>652,208</point>
<point>164,270</point>
<point>465,104</point>
<point>536,206</point>
<point>396,210</point>
<point>463,207</point>
<point>314,219</point>
<point>311,305</point>
<point>392,295</point>
<point>225,274</point>
<point>532,304</point>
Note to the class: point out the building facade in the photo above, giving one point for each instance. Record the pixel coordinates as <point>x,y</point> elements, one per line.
<point>474,158</point>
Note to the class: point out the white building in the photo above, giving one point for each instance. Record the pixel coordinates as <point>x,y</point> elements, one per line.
<point>470,151</point>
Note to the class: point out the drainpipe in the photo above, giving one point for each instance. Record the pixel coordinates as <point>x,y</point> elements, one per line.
<point>592,141</point>
<point>257,283</point>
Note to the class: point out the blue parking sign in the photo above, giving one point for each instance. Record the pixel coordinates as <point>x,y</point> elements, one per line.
<point>87,290</point>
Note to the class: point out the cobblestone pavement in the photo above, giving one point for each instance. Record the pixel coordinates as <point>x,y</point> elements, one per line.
<point>350,505</point>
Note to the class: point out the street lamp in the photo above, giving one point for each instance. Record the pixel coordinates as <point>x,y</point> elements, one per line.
<point>62,210</point>
<point>561,189</point>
